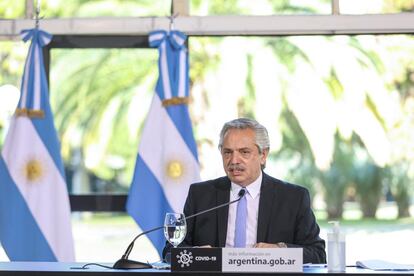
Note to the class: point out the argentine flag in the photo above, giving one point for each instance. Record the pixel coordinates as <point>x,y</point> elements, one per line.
<point>167,160</point>
<point>34,205</point>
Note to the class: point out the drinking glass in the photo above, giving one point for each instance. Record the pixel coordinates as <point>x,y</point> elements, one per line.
<point>175,228</point>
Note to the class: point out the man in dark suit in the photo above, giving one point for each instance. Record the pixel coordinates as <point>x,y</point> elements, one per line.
<point>276,213</point>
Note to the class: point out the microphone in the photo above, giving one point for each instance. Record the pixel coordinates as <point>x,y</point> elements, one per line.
<point>125,263</point>
<point>241,194</point>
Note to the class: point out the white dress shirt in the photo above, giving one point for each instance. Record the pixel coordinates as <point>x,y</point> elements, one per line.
<point>252,196</point>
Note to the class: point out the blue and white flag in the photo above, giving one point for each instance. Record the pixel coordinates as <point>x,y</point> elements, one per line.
<point>34,205</point>
<point>167,160</point>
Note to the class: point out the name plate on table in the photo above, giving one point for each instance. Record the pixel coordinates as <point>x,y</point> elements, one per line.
<point>237,259</point>
<point>262,260</point>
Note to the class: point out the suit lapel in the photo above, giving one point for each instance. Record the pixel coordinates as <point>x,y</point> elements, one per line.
<point>267,194</point>
<point>223,196</point>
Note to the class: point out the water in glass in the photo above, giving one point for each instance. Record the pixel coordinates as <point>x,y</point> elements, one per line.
<point>175,228</point>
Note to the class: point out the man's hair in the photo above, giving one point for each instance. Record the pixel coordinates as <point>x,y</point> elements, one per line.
<point>261,135</point>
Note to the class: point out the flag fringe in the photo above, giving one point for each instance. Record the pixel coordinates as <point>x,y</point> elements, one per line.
<point>31,113</point>
<point>175,101</point>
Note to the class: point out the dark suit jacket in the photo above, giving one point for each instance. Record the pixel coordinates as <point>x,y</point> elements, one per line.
<point>285,215</point>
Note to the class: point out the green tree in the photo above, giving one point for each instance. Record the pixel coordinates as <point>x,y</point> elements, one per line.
<point>337,178</point>
<point>398,178</point>
<point>97,103</point>
<point>368,179</point>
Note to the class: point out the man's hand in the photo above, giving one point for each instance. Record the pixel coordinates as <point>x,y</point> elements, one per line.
<point>270,245</point>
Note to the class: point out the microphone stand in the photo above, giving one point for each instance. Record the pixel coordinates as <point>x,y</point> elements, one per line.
<point>125,263</point>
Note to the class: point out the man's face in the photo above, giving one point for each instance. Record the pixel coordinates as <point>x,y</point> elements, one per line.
<point>241,158</point>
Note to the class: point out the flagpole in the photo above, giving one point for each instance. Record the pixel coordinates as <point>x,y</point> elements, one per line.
<point>37,13</point>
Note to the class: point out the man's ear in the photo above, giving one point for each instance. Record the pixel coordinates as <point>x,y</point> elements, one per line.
<point>264,154</point>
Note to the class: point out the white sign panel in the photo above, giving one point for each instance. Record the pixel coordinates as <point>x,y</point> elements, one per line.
<point>262,260</point>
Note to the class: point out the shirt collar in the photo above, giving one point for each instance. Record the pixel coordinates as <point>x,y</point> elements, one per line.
<point>252,189</point>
